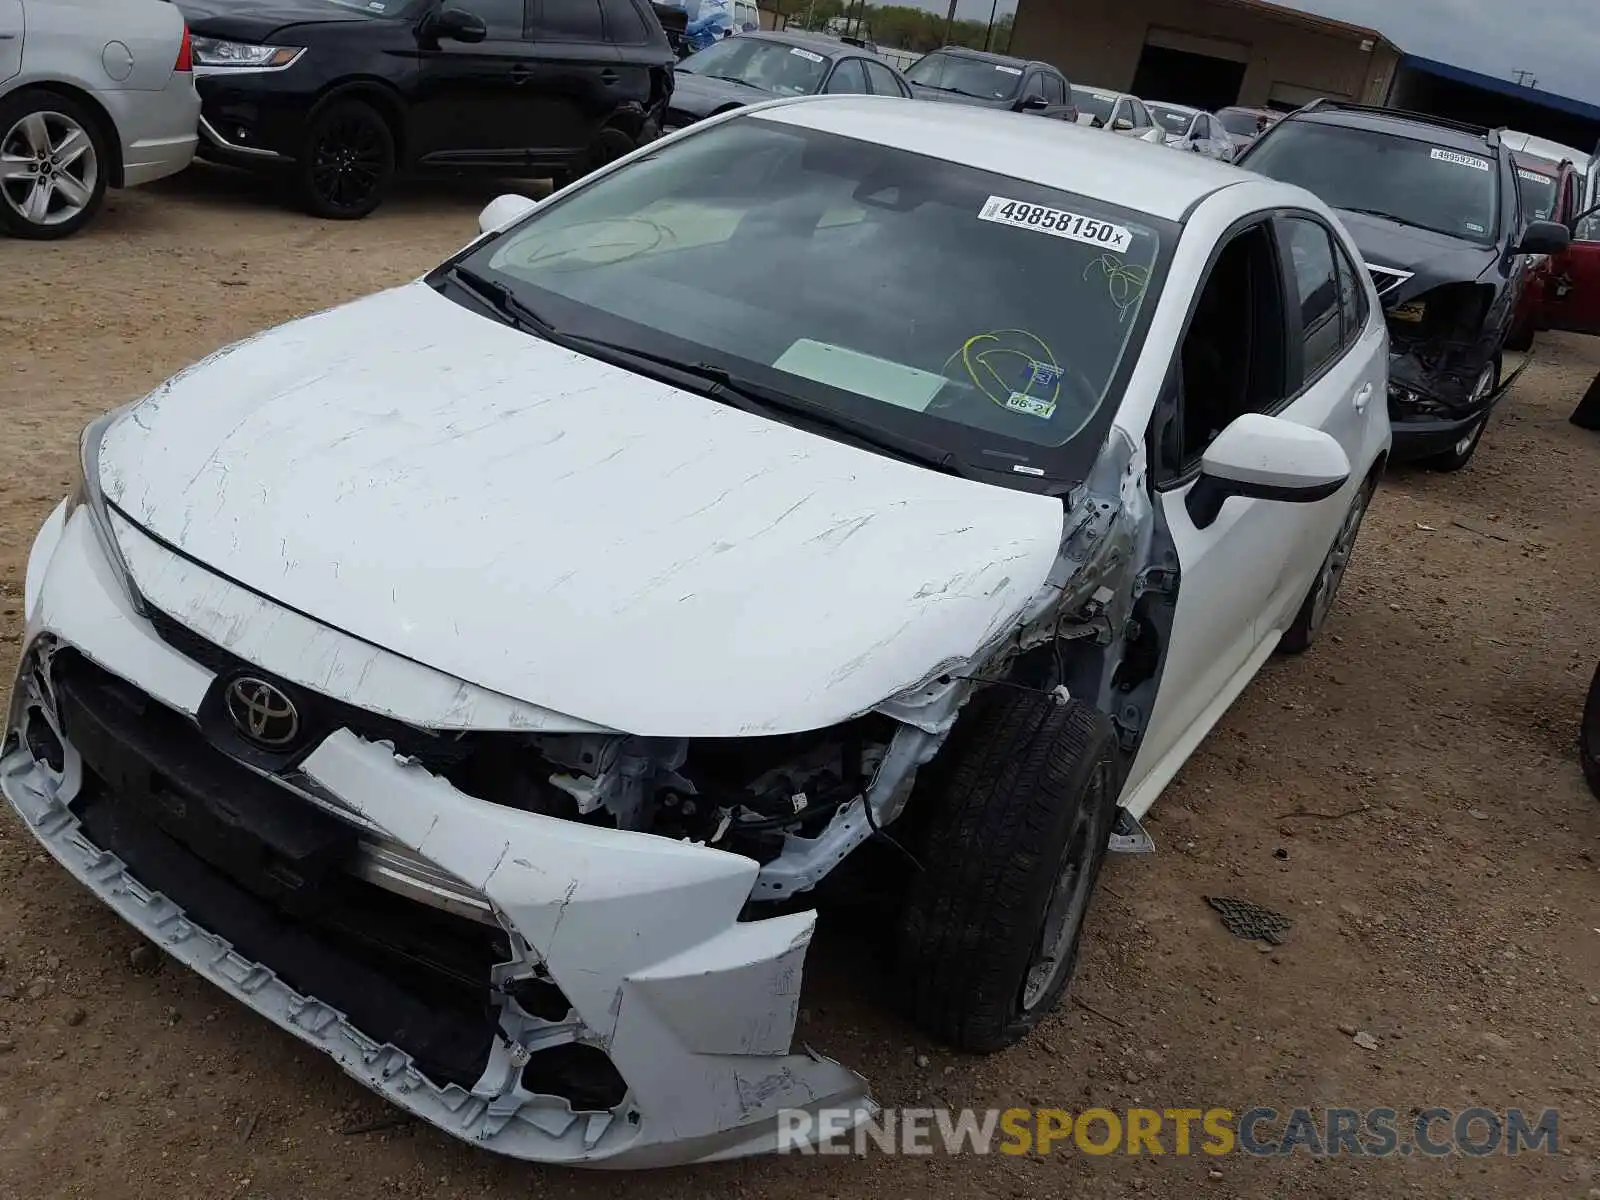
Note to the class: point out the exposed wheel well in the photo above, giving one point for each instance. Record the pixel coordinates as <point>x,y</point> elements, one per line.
<point>107,126</point>
<point>381,96</point>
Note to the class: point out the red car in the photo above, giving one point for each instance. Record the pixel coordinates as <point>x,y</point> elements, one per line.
<point>1563,290</point>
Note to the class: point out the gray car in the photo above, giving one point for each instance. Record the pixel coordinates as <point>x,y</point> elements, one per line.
<point>1192,129</point>
<point>93,94</point>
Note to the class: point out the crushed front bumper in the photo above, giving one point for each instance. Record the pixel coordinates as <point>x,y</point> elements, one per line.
<point>624,1014</point>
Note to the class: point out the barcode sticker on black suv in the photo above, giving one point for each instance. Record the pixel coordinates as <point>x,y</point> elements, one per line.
<point>1460,160</point>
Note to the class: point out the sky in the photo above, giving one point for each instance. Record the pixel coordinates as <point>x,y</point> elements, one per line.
<point>1558,40</point>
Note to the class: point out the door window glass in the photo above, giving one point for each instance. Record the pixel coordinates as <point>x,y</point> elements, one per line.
<point>502,18</point>
<point>570,21</point>
<point>847,78</point>
<point>1316,278</point>
<point>1233,355</point>
<point>624,25</point>
<point>882,79</point>
<point>1055,89</point>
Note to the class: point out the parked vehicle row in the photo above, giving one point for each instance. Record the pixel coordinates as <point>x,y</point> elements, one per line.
<point>866,557</point>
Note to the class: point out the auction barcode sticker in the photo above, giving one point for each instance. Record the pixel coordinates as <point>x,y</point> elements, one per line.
<point>1533,176</point>
<point>1460,160</point>
<point>1057,222</point>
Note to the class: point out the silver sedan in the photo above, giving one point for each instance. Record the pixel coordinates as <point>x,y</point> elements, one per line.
<point>1192,129</point>
<point>93,94</point>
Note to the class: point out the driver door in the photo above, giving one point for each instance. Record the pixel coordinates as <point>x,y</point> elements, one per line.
<point>1571,300</point>
<point>1233,359</point>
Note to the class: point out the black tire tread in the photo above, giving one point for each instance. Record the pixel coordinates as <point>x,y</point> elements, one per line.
<point>1018,764</point>
<point>312,202</point>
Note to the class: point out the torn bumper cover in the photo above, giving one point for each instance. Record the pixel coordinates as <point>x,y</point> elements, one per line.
<point>591,996</point>
<point>1435,402</point>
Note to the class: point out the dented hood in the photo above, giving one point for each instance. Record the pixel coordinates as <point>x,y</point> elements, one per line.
<point>1433,258</point>
<point>566,532</point>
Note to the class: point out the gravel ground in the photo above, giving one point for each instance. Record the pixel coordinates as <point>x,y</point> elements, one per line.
<point>1408,793</point>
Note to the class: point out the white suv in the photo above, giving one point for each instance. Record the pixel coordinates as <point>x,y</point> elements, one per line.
<point>93,93</point>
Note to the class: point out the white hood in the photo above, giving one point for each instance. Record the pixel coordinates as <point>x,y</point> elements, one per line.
<point>566,532</point>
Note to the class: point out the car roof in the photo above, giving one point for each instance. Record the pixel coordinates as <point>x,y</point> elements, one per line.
<point>1544,148</point>
<point>831,47</point>
<point>1411,125</point>
<point>1537,163</point>
<point>991,57</point>
<point>1104,93</point>
<point>1058,154</point>
<point>1170,106</point>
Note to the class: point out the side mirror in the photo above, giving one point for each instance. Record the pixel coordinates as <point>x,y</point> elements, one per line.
<point>1267,458</point>
<point>1544,237</point>
<point>504,211</point>
<point>458,25</point>
<point>1032,103</point>
<point>1122,125</point>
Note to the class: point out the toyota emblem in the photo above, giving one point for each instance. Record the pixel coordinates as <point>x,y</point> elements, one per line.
<point>263,713</point>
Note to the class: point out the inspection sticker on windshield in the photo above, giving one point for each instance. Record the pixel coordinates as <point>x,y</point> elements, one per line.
<point>806,54</point>
<point>1460,160</point>
<point>1034,406</point>
<point>1057,222</point>
<point>1532,176</point>
<point>1008,70</point>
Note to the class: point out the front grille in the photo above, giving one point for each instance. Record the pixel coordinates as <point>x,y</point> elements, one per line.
<point>270,872</point>
<point>320,714</point>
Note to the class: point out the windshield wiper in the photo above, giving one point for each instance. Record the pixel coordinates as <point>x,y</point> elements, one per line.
<point>718,384</point>
<point>1377,212</point>
<point>499,297</point>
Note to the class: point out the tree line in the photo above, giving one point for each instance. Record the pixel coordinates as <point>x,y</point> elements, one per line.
<point>894,25</point>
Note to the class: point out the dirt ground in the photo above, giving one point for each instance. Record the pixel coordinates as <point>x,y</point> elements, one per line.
<point>1445,888</point>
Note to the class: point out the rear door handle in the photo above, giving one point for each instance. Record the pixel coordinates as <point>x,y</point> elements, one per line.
<point>608,76</point>
<point>1363,398</point>
<point>521,72</point>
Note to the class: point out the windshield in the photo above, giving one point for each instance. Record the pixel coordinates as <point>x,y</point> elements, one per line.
<point>1173,120</point>
<point>988,316</point>
<point>1240,121</point>
<point>1094,104</point>
<point>969,76</point>
<point>1411,181</point>
<point>771,66</point>
<point>1538,193</point>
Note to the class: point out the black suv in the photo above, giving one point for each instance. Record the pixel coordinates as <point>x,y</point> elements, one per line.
<point>340,95</point>
<point>956,75</point>
<point>1435,208</point>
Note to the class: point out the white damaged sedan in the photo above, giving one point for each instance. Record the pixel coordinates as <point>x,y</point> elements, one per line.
<point>481,680</point>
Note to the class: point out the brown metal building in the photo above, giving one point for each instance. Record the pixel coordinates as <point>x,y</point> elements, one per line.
<point>1210,53</point>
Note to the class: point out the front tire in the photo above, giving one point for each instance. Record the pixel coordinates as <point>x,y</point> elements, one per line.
<point>1314,610</point>
<point>1461,453</point>
<point>348,161</point>
<point>610,144</point>
<point>54,164</point>
<point>1011,831</point>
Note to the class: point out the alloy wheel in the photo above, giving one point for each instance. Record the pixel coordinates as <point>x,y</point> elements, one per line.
<point>48,168</point>
<point>347,161</point>
<point>1338,560</point>
<point>1057,948</point>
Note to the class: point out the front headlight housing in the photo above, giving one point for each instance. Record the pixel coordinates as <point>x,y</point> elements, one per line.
<point>216,52</point>
<point>86,494</point>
